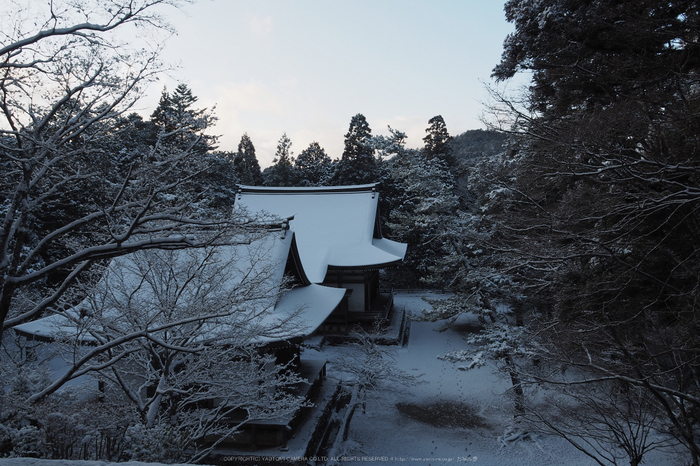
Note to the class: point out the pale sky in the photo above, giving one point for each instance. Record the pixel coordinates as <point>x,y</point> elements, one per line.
<point>305,67</point>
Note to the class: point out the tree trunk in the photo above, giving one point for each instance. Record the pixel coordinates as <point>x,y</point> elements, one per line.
<point>519,394</point>
<point>152,413</point>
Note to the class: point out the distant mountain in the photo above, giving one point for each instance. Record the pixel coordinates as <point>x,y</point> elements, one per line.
<point>473,145</point>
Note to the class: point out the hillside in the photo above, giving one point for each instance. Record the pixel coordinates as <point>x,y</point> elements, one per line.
<point>472,145</point>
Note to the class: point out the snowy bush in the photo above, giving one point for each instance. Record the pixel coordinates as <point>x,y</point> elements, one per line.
<point>28,441</point>
<point>68,425</point>
<point>162,443</point>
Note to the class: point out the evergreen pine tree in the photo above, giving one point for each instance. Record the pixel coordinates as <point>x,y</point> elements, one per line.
<point>246,163</point>
<point>131,140</point>
<point>182,101</point>
<point>313,166</point>
<point>282,172</point>
<point>179,124</point>
<point>358,164</point>
<point>424,212</point>
<point>437,141</point>
<point>160,115</point>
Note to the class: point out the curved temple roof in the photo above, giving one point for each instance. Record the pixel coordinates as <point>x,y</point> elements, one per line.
<point>239,284</point>
<point>335,226</point>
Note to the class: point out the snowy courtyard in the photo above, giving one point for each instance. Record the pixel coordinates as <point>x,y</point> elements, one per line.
<point>445,416</point>
<point>448,416</point>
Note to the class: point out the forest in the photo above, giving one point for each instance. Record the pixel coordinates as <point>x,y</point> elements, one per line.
<point>569,227</point>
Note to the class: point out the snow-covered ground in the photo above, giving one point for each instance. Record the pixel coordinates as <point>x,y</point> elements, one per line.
<point>453,416</point>
<point>450,417</point>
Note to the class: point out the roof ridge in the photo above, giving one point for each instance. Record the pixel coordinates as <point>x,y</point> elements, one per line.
<point>362,188</point>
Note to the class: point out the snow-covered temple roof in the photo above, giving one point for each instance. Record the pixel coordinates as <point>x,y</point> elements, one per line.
<point>335,226</point>
<point>238,286</point>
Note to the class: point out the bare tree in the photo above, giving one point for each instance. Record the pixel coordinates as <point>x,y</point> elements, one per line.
<point>65,78</point>
<point>178,335</point>
<point>613,422</point>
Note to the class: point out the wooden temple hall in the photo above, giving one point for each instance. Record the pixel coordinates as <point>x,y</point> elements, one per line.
<point>339,243</point>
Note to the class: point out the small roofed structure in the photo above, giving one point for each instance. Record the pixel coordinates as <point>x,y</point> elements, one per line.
<point>339,240</point>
